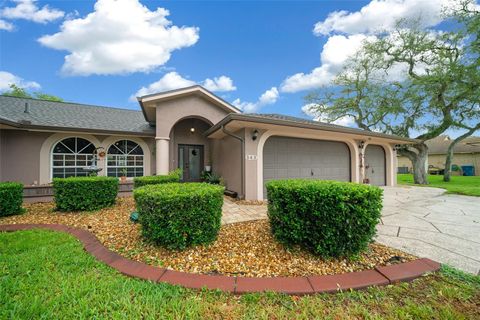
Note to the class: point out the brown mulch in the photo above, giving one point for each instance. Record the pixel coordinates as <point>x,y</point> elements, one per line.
<point>241,249</point>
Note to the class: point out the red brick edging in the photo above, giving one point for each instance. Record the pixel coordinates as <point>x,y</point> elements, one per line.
<point>379,276</point>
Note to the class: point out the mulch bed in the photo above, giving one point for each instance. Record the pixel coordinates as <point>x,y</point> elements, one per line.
<point>245,248</point>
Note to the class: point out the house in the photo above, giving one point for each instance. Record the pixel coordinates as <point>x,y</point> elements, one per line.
<point>188,128</point>
<point>465,153</point>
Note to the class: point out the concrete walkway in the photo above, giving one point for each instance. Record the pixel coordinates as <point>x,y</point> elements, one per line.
<point>428,223</point>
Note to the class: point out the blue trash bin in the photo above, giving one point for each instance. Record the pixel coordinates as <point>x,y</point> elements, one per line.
<point>468,170</point>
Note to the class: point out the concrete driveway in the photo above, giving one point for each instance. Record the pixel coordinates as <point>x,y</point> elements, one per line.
<point>429,223</point>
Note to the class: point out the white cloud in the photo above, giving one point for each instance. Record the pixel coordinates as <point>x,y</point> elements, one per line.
<point>222,83</point>
<point>119,37</point>
<point>173,80</point>
<point>7,78</point>
<point>346,121</point>
<point>335,53</point>
<point>28,10</point>
<point>268,97</point>
<point>4,25</point>
<point>382,15</point>
<point>354,27</point>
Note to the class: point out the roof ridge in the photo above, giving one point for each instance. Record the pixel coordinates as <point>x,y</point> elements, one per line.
<point>75,103</point>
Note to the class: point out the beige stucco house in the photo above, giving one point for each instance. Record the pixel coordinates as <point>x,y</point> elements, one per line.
<point>465,153</point>
<point>188,128</point>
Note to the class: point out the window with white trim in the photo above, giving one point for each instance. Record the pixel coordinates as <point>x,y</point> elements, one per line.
<point>125,158</point>
<point>70,156</point>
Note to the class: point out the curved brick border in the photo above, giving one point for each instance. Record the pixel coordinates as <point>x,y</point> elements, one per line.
<point>290,285</point>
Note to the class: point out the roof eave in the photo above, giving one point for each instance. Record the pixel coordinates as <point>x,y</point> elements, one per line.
<point>241,117</point>
<point>151,123</point>
<point>73,129</point>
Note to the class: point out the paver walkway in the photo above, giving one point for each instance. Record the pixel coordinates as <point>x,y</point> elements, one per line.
<point>421,221</point>
<point>234,212</point>
<point>429,223</point>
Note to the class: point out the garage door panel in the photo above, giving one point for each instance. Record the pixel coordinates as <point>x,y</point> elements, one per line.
<point>375,164</point>
<point>285,158</point>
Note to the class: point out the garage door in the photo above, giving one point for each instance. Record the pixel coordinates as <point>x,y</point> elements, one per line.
<point>375,164</point>
<point>285,158</point>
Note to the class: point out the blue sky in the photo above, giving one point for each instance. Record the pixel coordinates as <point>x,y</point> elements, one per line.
<point>263,56</point>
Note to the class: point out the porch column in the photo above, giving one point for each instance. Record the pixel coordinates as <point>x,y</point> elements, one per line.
<point>161,155</point>
<point>361,160</point>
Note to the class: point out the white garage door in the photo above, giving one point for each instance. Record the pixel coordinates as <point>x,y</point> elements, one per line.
<point>286,158</point>
<point>375,164</point>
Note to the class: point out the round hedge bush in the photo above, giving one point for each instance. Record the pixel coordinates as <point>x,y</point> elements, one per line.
<point>11,198</point>
<point>179,215</point>
<point>328,218</point>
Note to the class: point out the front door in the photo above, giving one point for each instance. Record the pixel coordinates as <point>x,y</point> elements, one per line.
<point>190,160</point>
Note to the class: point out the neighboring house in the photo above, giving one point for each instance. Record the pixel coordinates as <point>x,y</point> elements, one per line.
<point>188,128</point>
<point>466,152</point>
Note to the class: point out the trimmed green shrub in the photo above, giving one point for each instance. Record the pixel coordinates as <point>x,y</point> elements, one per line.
<point>11,198</point>
<point>173,176</point>
<point>328,218</point>
<point>84,193</point>
<point>178,215</point>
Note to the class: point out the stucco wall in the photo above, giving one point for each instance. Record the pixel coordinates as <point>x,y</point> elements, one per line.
<point>20,153</point>
<point>226,160</point>
<point>438,160</point>
<point>25,156</point>
<point>170,112</point>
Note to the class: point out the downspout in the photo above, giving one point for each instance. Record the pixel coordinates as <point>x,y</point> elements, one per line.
<point>242,160</point>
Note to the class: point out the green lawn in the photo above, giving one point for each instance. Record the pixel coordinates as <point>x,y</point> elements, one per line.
<point>469,186</point>
<point>45,274</point>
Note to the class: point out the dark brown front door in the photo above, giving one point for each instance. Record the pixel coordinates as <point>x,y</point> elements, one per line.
<point>190,160</point>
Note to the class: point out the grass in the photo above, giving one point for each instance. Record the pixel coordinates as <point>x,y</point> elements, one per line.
<point>46,274</point>
<point>469,186</point>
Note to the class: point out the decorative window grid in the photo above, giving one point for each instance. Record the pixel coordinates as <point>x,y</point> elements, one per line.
<point>125,154</point>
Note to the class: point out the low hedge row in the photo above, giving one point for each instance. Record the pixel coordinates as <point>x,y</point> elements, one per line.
<point>11,198</point>
<point>331,219</point>
<point>84,193</point>
<point>178,215</point>
<point>173,176</point>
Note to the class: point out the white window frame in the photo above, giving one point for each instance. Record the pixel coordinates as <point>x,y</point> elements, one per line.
<point>125,161</point>
<point>74,154</point>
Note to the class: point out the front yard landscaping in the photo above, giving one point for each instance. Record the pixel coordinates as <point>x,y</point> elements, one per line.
<point>45,274</point>
<point>469,186</point>
<point>246,248</point>
<point>314,228</point>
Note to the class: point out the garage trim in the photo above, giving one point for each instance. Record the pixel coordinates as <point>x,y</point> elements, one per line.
<point>351,144</point>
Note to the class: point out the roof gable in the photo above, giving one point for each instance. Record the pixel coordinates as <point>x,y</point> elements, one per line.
<point>149,102</point>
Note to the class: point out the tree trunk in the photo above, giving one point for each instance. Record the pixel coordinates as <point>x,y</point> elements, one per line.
<point>448,163</point>
<point>419,161</point>
<point>448,160</point>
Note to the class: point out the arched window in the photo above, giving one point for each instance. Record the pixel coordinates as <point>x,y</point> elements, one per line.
<point>125,158</point>
<point>70,156</point>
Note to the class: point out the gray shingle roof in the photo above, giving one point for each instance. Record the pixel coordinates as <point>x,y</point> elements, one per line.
<point>323,125</point>
<point>72,116</point>
<point>277,116</point>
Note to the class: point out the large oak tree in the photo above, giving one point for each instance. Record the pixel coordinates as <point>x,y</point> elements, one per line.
<point>411,82</point>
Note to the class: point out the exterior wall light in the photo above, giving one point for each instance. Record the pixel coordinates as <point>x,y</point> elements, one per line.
<point>255,135</point>
<point>192,129</point>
